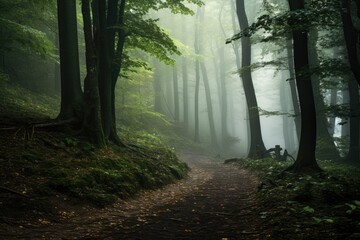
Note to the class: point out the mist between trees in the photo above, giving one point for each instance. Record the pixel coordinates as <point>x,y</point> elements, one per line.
<point>236,76</point>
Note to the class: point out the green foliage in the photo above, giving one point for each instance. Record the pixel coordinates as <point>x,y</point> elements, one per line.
<point>22,25</point>
<point>146,35</point>
<point>325,13</point>
<point>17,99</point>
<point>309,202</point>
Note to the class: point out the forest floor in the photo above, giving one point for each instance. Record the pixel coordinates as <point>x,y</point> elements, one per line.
<point>216,201</point>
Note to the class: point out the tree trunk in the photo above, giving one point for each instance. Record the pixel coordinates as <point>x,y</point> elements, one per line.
<point>185,93</point>
<point>351,39</point>
<point>223,89</point>
<point>257,147</point>
<point>209,104</point>
<point>72,101</point>
<point>197,76</point>
<point>157,87</point>
<point>93,126</point>
<point>176,94</point>
<point>305,160</point>
<point>353,154</point>
<point>116,52</point>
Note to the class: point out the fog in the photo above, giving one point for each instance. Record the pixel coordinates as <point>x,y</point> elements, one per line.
<point>269,81</point>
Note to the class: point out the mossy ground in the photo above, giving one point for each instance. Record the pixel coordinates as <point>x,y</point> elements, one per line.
<point>325,206</point>
<point>48,163</point>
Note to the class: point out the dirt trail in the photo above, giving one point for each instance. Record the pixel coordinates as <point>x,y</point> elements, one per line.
<point>217,201</point>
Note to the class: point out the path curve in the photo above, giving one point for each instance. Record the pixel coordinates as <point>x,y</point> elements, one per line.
<point>216,201</point>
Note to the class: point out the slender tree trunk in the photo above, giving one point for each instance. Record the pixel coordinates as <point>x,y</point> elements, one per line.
<point>223,89</point>
<point>185,93</point>
<point>99,11</point>
<point>176,95</point>
<point>117,53</point>
<point>305,160</point>
<point>93,126</point>
<point>353,154</point>
<point>185,78</point>
<point>157,87</point>
<point>351,36</point>
<point>197,76</point>
<point>72,101</point>
<point>209,104</point>
<point>351,39</point>
<point>257,147</point>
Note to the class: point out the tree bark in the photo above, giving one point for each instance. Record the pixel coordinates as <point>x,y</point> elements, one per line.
<point>305,160</point>
<point>72,101</point>
<point>351,39</point>
<point>93,126</point>
<point>257,147</point>
<point>197,76</point>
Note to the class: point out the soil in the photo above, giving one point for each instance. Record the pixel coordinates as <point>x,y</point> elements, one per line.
<point>216,201</point>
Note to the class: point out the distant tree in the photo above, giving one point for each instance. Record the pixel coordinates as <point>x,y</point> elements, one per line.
<point>185,79</point>
<point>223,87</point>
<point>176,94</point>
<point>197,75</point>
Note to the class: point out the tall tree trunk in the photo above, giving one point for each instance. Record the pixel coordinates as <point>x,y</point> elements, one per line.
<point>354,151</point>
<point>157,87</point>
<point>257,147</point>
<point>185,78</point>
<point>224,100</point>
<point>207,86</point>
<point>351,35</point>
<point>197,76</point>
<point>99,11</point>
<point>185,93</point>
<point>326,148</point>
<point>71,95</point>
<point>351,39</point>
<point>223,88</point>
<point>116,52</point>
<point>306,156</point>
<point>209,104</point>
<point>176,94</point>
<point>93,126</point>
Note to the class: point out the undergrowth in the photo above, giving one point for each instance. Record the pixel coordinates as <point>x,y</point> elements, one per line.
<point>325,206</point>
<point>46,163</point>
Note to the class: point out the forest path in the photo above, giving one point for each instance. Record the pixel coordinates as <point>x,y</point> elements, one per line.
<point>216,201</point>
